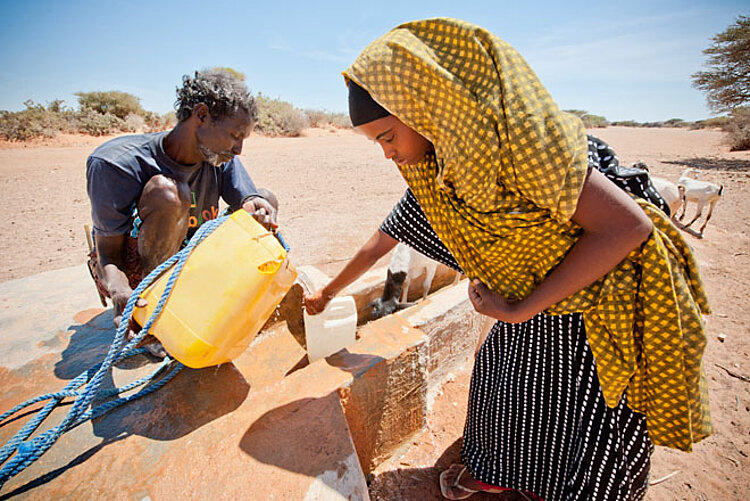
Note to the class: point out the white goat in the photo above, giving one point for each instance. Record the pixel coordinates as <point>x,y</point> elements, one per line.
<point>669,192</point>
<point>406,264</point>
<point>700,192</point>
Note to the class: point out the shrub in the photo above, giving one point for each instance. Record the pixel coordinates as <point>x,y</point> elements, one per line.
<point>340,120</point>
<point>34,121</point>
<point>97,124</point>
<point>589,121</point>
<point>317,118</point>
<point>322,118</point>
<point>157,123</point>
<point>119,104</point>
<point>712,123</point>
<point>738,129</point>
<point>675,122</point>
<point>627,123</point>
<point>134,123</point>
<point>279,118</point>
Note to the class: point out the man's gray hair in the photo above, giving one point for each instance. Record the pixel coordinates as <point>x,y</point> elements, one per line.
<point>222,92</point>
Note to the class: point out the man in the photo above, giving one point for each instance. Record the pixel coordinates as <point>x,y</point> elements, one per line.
<point>150,192</point>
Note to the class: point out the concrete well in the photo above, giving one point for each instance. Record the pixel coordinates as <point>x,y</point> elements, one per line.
<point>267,426</point>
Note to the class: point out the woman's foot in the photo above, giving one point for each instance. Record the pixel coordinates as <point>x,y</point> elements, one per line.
<point>457,483</point>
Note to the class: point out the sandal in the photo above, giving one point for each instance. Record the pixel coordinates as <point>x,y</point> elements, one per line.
<point>446,488</point>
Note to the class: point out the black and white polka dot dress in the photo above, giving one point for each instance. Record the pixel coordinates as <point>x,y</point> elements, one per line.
<point>537,420</point>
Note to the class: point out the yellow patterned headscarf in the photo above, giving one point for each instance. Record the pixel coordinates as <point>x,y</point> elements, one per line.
<point>500,191</point>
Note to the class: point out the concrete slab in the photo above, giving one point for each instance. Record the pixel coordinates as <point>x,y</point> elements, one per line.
<point>254,429</point>
<point>267,426</point>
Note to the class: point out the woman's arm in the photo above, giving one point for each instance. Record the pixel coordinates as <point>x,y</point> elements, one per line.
<point>613,225</point>
<point>376,247</point>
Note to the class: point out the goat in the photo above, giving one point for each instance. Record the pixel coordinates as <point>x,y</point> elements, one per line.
<point>700,192</point>
<point>406,264</point>
<point>669,192</point>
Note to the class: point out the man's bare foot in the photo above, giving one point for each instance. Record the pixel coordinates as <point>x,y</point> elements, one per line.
<point>152,344</point>
<point>156,349</point>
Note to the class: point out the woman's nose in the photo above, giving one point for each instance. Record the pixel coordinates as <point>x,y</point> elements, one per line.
<point>389,152</point>
<point>237,148</point>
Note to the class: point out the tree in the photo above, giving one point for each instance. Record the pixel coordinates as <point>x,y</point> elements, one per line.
<point>726,83</point>
<point>226,69</point>
<point>113,102</point>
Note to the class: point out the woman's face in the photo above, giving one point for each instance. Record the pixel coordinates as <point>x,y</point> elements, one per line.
<point>400,143</point>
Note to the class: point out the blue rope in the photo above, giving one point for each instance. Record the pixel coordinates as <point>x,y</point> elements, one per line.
<point>85,387</point>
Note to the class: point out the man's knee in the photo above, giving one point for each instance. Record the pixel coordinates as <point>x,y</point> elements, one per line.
<point>164,194</point>
<point>269,195</point>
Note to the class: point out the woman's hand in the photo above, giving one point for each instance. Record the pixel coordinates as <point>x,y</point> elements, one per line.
<point>496,306</point>
<point>317,301</point>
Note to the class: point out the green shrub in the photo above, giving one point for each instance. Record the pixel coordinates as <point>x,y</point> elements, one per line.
<point>97,124</point>
<point>738,129</point>
<point>675,122</point>
<point>589,121</point>
<point>35,121</point>
<point>279,118</point>
<point>113,102</point>
<point>627,123</point>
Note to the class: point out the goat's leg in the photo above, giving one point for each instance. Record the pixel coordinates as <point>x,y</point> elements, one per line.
<point>428,277</point>
<point>708,216</point>
<point>698,213</point>
<point>405,288</point>
<point>684,208</point>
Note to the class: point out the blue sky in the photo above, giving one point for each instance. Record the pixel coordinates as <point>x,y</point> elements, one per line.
<point>623,60</point>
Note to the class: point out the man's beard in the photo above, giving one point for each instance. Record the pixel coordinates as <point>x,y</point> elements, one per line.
<point>209,155</point>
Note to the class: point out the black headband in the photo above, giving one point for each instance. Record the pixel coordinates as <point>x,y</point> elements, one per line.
<point>362,107</point>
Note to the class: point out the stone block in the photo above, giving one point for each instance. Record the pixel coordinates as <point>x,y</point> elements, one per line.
<point>385,403</point>
<point>452,328</point>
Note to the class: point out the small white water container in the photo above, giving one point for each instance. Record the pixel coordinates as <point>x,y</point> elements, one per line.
<point>331,330</point>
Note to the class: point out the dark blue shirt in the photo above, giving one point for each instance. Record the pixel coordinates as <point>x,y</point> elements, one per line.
<point>117,171</point>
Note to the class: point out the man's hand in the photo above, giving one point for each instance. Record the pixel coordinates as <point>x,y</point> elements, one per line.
<point>149,342</point>
<point>262,210</point>
<point>119,301</point>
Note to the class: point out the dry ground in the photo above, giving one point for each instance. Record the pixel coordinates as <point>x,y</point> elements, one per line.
<point>335,188</point>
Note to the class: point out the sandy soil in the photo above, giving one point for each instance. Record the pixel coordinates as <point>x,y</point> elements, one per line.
<point>335,187</point>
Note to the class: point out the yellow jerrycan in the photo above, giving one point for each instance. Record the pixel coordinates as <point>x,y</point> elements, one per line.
<point>229,285</point>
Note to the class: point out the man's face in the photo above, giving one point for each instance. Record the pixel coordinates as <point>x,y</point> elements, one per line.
<point>400,143</point>
<point>219,141</point>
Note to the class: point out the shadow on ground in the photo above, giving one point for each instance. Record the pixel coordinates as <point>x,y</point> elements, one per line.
<point>725,164</point>
<point>303,436</point>
<point>192,399</point>
<point>418,484</point>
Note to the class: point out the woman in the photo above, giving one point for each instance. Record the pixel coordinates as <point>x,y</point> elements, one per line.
<point>598,345</point>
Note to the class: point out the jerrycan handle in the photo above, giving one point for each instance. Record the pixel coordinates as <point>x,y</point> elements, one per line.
<point>278,236</point>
